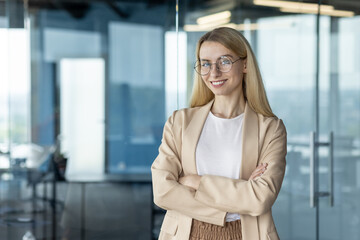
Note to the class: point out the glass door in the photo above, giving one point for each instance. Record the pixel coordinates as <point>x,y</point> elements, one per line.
<point>339,162</point>
<point>311,75</point>
<point>286,53</point>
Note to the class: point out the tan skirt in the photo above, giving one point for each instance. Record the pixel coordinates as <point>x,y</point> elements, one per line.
<point>207,231</point>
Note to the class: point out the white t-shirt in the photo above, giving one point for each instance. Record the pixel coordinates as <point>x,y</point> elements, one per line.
<point>218,151</point>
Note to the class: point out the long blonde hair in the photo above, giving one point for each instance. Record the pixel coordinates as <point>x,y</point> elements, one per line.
<point>253,87</point>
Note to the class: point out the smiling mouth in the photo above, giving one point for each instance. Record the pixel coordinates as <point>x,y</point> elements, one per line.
<point>218,83</point>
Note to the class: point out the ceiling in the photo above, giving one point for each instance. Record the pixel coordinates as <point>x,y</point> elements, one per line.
<point>79,8</point>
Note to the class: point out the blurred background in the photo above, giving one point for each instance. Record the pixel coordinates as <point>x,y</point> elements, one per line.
<point>87,85</point>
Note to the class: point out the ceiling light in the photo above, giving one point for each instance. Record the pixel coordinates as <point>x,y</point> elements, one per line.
<point>300,7</point>
<point>214,17</point>
<point>205,27</point>
<point>239,27</point>
<point>334,13</point>
<point>291,5</point>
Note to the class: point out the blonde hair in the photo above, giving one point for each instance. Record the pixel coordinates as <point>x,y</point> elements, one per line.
<point>253,87</point>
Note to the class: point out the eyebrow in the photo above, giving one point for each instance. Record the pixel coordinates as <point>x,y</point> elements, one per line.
<point>225,55</point>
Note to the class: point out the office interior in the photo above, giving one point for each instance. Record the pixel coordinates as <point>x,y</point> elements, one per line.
<point>87,85</point>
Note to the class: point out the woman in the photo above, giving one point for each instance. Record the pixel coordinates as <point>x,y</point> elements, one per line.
<point>222,161</point>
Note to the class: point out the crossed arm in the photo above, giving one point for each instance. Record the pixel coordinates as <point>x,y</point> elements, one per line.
<point>193,181</point>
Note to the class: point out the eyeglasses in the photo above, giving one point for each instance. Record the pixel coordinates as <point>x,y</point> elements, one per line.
<point>223,64</point>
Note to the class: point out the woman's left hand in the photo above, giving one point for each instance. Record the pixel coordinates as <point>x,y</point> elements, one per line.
<point>192,181</point>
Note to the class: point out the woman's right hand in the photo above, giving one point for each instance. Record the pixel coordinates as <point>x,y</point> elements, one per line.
<point>258,171</point>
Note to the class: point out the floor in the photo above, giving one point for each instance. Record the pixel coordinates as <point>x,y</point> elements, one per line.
<point>109,211</point>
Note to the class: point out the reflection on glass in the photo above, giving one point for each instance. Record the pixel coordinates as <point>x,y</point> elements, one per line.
<point>136,96</point>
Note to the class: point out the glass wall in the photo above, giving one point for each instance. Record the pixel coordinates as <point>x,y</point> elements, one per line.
<point>340,115</point>
<point>130,38</point>
<point>93,82</point>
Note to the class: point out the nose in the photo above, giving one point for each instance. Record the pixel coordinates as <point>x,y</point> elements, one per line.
<point>214,70</point>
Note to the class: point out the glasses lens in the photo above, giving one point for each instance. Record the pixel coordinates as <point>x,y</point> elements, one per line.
<point>224,64</point>
<point>202,67</point>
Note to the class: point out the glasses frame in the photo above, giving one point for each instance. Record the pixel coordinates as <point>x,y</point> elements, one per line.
<point>197,63</point>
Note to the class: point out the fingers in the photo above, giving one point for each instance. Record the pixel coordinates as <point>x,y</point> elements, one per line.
<point>255,175</point>
<point>261,166</point>
<point>258,171</point>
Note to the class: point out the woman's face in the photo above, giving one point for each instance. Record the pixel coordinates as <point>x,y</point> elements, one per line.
<point>222,83</point>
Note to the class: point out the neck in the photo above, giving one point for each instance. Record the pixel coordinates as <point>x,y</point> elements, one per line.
<point>228,107</point>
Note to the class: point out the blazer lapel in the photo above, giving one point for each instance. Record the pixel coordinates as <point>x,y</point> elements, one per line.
<point>191,138</point>
<point>250,143</point>
<point>250,153</point>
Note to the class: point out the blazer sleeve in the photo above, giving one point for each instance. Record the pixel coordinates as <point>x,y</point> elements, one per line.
<point>171,195</point>
<point>252,197</point>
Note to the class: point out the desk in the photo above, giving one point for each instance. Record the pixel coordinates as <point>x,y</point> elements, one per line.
<point>84,179</point>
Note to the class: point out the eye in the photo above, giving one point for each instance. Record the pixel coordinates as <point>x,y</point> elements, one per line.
<point>225,61</point>
<point>205,64</point>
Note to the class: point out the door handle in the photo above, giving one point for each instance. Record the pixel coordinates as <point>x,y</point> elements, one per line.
<point>314,194</point>
<point>331,169</point>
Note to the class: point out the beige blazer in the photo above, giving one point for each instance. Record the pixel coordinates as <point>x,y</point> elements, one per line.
<point>264,141</point>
